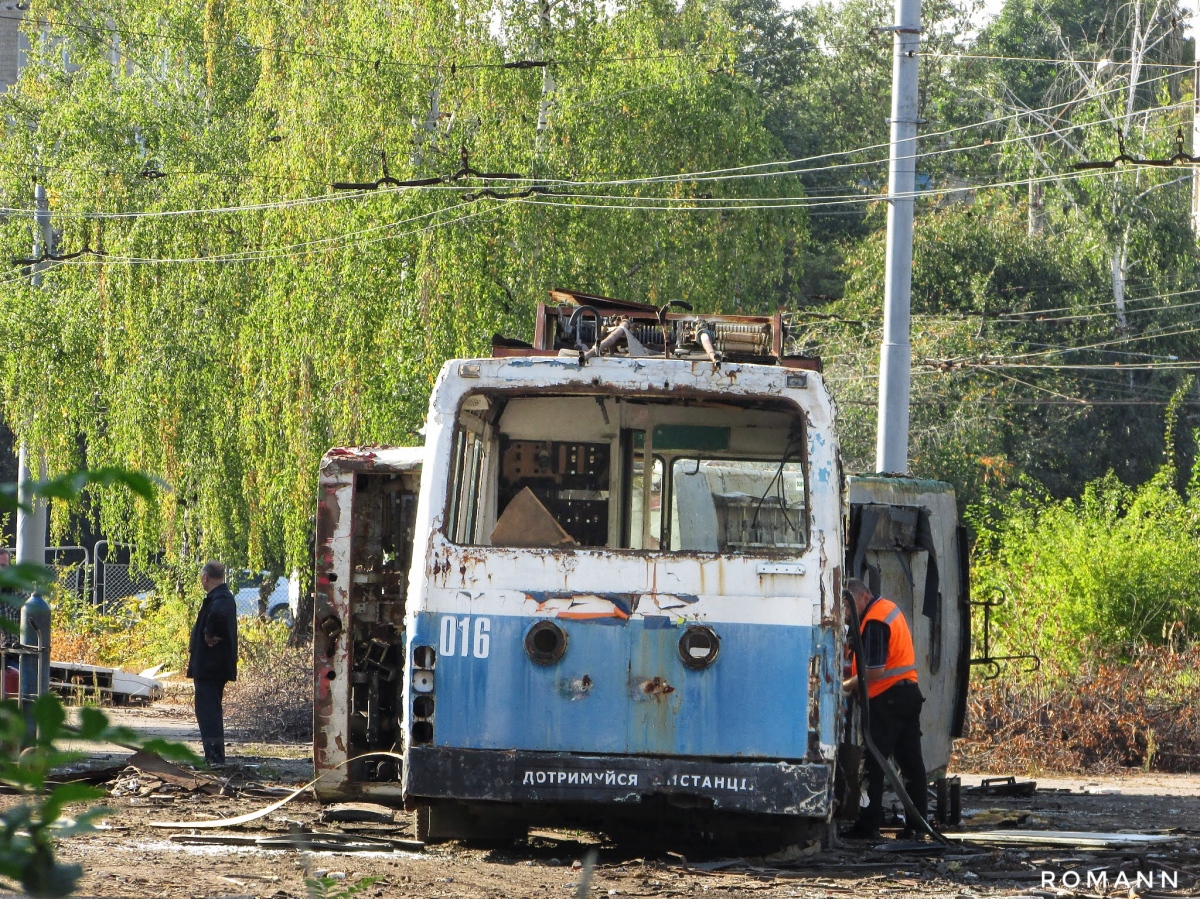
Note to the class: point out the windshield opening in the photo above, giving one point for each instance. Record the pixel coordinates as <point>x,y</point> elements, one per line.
<point>622,473</point>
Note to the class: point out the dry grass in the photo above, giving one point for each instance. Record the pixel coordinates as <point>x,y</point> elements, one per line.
<point>1109,716</point>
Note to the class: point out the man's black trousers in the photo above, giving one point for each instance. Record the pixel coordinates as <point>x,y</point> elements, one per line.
<point>896,731</point>
<point>211,718</point>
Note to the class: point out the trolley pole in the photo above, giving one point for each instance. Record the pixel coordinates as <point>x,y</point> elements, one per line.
<point>31,524</point>
<point>895,355</point>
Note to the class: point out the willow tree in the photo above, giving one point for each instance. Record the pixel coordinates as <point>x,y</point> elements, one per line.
<point>235,316</point>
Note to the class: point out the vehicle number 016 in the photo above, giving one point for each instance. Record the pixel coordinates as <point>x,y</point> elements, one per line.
<point>460,638</point>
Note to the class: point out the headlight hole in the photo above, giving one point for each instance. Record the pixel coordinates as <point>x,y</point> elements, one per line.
<point>545,642</point>
<point>698,646</point>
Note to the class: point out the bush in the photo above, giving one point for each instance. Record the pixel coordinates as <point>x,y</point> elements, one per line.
<point>272,698</point>
<point>1116,568</point>
<point>127,636</point>
<point>1106,715</point>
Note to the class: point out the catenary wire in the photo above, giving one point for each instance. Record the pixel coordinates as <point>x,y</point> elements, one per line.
<point>693,176</point>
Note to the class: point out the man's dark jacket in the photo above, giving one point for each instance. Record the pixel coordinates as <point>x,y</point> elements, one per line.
<point>217,618</point>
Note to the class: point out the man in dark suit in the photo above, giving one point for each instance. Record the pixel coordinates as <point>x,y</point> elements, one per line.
<point>212,661</point>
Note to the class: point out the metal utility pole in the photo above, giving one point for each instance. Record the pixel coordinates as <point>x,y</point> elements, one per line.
<point>895,356</point>
<point>1192,31</point>
<point>31,526</point>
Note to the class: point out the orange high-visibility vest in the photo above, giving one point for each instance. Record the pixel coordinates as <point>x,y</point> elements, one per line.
<point>901,658</point>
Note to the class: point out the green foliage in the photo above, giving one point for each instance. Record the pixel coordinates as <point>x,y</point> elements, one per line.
<point>138,634</point>
<point>29,829</point>
<point>130,634</point>
<point>1118,566</point>
<point>313,318</point>
<point>29,738</point>
<point>245,317</point>
<point>329,888</point>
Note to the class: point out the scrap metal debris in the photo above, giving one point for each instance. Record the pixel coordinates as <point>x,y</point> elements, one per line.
<point>1074,838</point>
<point>76,683</point>
<point>306,840</point>
<point>148,774</point>
<point>1003,786</point>
<point>358,813</point>
<point>1005,817</point>
<point>274,806</point>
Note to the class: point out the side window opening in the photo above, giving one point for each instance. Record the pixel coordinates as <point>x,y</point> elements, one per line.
<point>644,527</point>
<point>468,472</point>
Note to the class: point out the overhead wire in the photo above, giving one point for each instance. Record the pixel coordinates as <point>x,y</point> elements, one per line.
<point>1036,317</point>
<point>635,203</point>
<point>732,173</point>
<point>1091,315</point>
<point>935,54</point>
<point>1075,402</point>
<point>729,204</point>
<point>449,64</point>
<point>304,248</point>
<point>1182,365</point>
<point>700,175</point>
<point>1159,333</point>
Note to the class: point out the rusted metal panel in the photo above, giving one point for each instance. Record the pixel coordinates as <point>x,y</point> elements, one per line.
<point>583,320</point>
<point>331,609</point>
<point>802,363</point>
<point>938,618</point>
<point>470,583</point>
<point>802,790</point>
<point>343,524</point>
<point>372,458</point>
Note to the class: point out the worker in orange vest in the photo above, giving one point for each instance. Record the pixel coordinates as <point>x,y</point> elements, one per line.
<point>894,706</point>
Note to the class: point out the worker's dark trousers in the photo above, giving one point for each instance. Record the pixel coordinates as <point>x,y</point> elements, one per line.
<point>896,731</point>
<point>211,719</point>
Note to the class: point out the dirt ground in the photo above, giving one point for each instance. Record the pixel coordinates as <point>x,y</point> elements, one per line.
<point>131,859</point>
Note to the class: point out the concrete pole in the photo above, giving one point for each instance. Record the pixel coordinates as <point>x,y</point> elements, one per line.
<point>895,356</point>
<point>33,671</point>
<point>31,526</point>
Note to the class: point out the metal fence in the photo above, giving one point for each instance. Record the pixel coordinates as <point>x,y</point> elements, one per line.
<point>72,569</point>
<point>103,579</point>
<point>115,579</point>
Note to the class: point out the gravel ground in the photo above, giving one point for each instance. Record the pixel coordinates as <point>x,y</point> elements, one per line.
<point>132,859</point>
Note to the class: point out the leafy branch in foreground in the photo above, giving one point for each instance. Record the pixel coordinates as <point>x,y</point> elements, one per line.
<point>29,750</point>
<point>29,830</point>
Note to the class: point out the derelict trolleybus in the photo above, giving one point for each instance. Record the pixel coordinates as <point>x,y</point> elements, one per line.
<point>612,598</point>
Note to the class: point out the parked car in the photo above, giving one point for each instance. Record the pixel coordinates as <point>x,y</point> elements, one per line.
<point>281,604</point>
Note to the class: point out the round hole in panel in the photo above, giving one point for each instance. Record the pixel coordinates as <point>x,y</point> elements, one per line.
<point>698,646</point>
<point>545,642</point>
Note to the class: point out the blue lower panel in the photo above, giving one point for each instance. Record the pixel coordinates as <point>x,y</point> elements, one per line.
<point>779,788</point>
<point>621,688</point>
